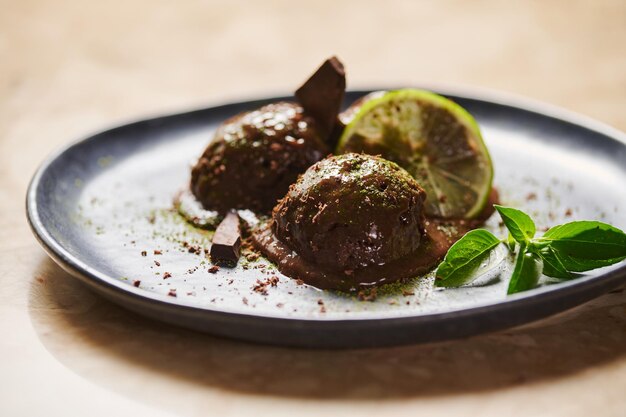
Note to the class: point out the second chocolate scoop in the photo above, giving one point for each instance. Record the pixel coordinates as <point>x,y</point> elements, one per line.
<point>255,156</point>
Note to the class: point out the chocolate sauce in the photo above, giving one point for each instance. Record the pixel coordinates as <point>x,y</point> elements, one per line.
<point>439,235</point>
<point>434,246</point>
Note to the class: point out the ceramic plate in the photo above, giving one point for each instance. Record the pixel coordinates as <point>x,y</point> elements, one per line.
<point>102,209</point>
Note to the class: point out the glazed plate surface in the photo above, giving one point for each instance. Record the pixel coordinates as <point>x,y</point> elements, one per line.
<point>102,209</point>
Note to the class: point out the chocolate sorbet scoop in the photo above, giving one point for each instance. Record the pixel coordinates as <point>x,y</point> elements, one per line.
<point>255,156</point>
<point>351,211</point>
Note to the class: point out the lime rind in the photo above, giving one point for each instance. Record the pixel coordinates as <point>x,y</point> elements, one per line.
<point>460,114</point>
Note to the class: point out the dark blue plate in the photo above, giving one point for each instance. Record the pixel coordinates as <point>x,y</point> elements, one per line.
<point>102,206</point>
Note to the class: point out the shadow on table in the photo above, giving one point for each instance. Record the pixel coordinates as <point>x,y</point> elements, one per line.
<point>67,316</point>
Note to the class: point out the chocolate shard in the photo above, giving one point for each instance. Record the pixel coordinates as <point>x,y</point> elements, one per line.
<point>227,240</point>
<point>322,94</point>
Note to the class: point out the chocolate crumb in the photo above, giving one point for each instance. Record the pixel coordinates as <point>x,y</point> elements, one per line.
<point>261,286</point>
<point>280,305</point>
<point>158,252</point>
<point>166,275</point>
<point>531,196</point>
<point>251,257</point>
<point>568,212</point>
<point>214,269</point>
<point>407,293</point>
<point>157,263</point>
<point>136,283</point>
<point>144,253</point>
<point>367,295</point>
<point>299,282</point>
<point>194,249</point>
<point>247,245</point>
<point>172,292</point>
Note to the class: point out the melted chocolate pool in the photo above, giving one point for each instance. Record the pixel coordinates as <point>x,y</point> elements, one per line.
<point>434,246</point>
<point>439,235</point>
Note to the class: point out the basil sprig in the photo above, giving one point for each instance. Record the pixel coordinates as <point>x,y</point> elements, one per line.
<point>560,253</point>
<point>465,256</point>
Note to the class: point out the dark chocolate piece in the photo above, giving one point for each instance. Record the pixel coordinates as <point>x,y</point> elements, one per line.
<point>321,95</point>
<point>227,240</point>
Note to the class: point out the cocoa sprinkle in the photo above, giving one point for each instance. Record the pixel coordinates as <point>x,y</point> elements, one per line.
<point>367,295</point>
<point>261,286</point>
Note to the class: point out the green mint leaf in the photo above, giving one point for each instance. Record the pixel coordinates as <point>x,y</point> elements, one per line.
<point>526,273</point>
<point>520,225</point>
<point>552,264</point>
<point>465,257</point>
<point>585,245</point>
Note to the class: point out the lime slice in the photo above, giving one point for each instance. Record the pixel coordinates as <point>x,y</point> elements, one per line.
<point>433,138</point>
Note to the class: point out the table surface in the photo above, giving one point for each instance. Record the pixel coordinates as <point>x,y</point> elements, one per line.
<point>72,67</point>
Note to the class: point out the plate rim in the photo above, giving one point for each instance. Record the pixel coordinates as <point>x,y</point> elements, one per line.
<point>117,288</point>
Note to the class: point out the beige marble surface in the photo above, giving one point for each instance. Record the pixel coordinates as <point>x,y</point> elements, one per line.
<point>71,67</point>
